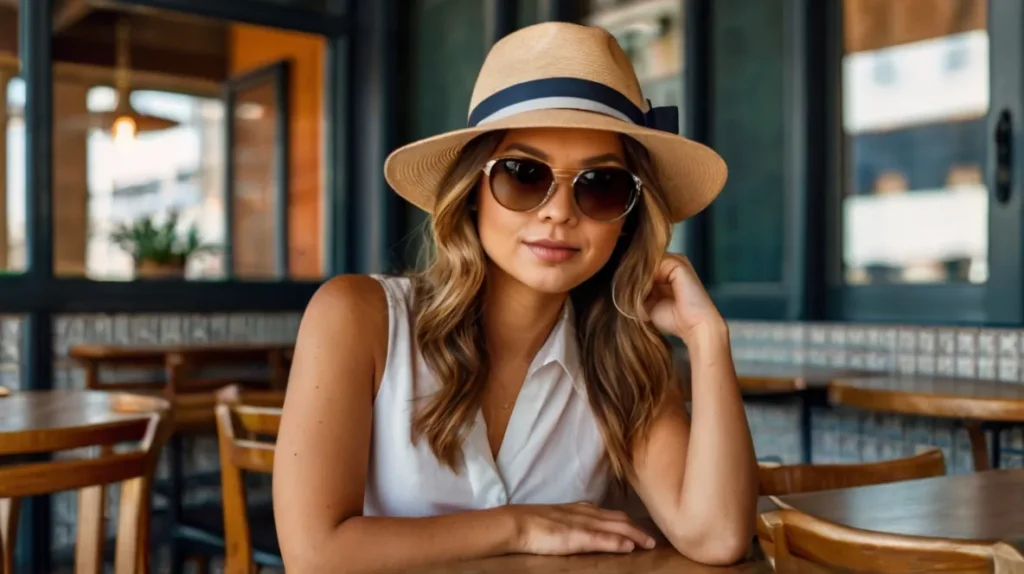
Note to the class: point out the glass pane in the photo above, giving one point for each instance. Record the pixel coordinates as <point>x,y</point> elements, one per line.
<point>448,49</point>
<point>651,33</point>
<point>747,220</point>
<point>12,185</point>
<point>139,136</point>
<point>122,181</point>
<point>255,187</point>
<point>915,100</point>
<point>12,146</point>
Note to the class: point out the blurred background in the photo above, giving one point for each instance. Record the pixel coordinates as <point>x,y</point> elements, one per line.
<point>189,171</point>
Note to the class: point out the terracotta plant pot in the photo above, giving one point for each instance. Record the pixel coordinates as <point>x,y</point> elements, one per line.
<point>153,270</point>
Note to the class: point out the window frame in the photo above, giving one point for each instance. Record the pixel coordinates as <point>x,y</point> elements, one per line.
<point>793,297</point>
<point>278,74</point>
<point>999,301</point>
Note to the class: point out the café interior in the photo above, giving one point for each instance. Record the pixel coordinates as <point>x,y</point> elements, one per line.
<point>178,177</point>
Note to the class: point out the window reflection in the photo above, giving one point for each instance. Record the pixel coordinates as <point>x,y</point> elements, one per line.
<point>915,94</point>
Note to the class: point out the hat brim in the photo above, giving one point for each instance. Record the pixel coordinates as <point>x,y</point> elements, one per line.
<point>690,175</point>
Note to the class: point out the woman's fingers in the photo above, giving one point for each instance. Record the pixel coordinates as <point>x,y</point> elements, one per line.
<point>583,540</point>
<point>611,521</point>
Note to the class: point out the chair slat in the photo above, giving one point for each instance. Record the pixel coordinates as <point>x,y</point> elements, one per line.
<point>49,477</point>
<point>258,420</point>
<point>798,537</point>
<point>798,478</point>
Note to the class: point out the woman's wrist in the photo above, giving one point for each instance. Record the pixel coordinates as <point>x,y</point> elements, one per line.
<point>707,339</point>
<point>508,523</point>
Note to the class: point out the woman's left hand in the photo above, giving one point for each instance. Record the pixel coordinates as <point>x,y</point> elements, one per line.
<point>678,303</point>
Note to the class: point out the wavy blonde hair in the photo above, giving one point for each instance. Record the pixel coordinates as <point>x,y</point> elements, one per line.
<point>625,361</point>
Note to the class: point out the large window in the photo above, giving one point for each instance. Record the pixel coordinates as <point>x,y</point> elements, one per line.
<point>915,100</point>
<point>927,210</point>
<point>142,144</point>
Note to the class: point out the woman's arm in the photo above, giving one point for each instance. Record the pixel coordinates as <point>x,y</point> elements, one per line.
<point>323,450</point>
<point>698,478</point>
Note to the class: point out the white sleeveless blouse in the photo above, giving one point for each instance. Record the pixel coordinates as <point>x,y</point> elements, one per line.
<point>552,452</point>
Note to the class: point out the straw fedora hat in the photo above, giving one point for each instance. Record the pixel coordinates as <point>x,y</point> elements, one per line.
<point>564,75</point>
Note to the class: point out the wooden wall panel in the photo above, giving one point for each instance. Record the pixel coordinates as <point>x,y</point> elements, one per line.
<point>253,47</point>
<point>874,24</point>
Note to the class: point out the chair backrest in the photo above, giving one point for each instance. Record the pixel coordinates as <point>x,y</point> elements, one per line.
<point>245,419</point>
<point>797,478</point>
<point>148,428</point>
<point>799,539</point>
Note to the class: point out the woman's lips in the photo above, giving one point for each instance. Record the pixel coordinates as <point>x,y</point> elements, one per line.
<point>552,252</point>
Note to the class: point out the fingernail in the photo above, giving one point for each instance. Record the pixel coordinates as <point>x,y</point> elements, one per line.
<point>629,547</point>
<point>650,543</point>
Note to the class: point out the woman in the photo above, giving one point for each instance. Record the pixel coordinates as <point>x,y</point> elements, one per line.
<point>486,405</point>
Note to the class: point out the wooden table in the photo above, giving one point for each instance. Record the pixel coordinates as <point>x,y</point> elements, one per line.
<point>33,411</point>
<point>981,506</point>
<point>972,400</point>
<point>764,378</point>
<point>661,560</point>
<point>26,416</point>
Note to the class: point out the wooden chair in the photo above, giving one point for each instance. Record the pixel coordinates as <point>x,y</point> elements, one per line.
<point>797,478</point>
<point>245,419</point>
<point>804,543</point>
<point>133,469</point>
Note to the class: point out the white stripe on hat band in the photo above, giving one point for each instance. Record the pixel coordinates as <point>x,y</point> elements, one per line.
<point>555,102</point>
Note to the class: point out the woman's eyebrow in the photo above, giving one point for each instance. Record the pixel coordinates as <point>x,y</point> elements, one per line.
<point>603,158</point>
<point>587,162</point>
<point>527,150</point>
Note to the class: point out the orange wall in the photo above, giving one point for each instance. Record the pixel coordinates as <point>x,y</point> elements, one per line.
<point>254,47</point>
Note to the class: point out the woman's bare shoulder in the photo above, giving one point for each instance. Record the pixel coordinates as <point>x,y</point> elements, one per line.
<point>350,294</point>
<point>349,311</point>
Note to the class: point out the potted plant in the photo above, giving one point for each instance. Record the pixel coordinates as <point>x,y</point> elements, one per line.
<point>159,251</point>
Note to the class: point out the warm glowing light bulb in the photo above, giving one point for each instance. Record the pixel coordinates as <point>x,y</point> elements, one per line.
<point>124,130</point>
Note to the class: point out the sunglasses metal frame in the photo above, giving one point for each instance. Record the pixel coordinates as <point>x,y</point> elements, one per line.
<point>638,185</point>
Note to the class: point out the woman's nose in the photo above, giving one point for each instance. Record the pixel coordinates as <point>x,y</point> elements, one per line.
<point>561,205</point>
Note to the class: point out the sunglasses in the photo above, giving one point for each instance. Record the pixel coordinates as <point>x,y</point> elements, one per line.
<point>601,193</point>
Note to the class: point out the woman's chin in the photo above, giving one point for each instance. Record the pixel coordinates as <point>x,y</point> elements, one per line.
<point>550,280</point>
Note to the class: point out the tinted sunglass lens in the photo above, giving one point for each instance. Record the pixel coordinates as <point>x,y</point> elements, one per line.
<point>605,194</point>
<point>520,184</point>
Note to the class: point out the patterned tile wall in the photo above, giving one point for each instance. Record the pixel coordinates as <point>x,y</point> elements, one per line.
<point>10,351</point>
<point>842,435</point>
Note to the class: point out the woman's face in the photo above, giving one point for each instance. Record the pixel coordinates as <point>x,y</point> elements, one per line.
<point>556,246</point>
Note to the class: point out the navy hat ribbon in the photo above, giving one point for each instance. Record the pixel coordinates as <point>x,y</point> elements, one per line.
<point>571,93</point>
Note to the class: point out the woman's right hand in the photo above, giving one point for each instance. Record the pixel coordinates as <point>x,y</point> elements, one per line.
<point>576,528</point>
